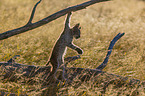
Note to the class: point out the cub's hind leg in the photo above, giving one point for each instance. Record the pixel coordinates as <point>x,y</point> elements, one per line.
<point>56,69</point>
<point>63,70</point>
<point>59,71</point>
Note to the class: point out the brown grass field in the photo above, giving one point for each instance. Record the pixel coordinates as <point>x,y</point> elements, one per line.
<point>99,22</point>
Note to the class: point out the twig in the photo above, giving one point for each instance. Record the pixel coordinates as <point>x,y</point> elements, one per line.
<point>112,43</point>
<point>33,12</point>
<point>69,59</point>
<point>12,60</point>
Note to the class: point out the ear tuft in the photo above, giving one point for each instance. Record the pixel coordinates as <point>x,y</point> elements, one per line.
<point>77,25</point>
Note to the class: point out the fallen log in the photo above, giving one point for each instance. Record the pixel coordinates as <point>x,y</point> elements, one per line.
<point>26,74</point>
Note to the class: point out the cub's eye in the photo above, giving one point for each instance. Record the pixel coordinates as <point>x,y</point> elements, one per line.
<point>79,27</point>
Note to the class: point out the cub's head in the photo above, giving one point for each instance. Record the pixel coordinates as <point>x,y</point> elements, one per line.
<point>76,31</point>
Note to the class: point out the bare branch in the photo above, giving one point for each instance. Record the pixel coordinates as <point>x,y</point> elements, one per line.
<point>12,60</point>
<point>48,19</point>
<point>112,43</point>
<point>33,12</point>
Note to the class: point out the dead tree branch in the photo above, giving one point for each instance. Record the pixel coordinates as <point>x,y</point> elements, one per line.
<point>30,25</point>
<point>112,43</point>
<point>26,73</point>
<point>32,14</point>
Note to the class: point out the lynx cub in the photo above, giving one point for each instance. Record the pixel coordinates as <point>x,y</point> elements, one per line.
<point>60,47</point>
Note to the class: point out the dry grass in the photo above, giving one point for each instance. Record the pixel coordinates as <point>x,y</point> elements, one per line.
<point>100,23</point>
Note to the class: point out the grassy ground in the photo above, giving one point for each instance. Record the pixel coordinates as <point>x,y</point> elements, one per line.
<point>100,23</point>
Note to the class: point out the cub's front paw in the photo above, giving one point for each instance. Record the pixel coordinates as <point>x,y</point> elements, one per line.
<point>79,51</point>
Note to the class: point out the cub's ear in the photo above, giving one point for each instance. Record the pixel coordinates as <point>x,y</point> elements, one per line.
<point>77,25</point>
